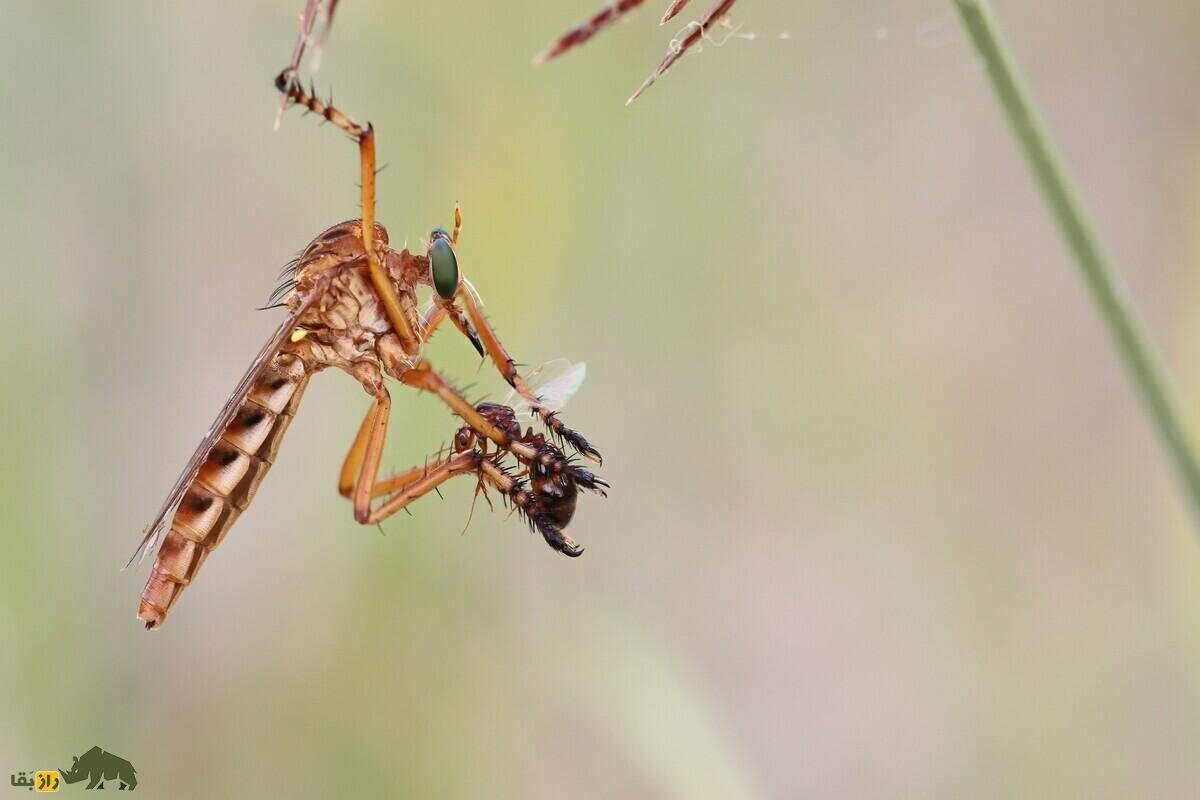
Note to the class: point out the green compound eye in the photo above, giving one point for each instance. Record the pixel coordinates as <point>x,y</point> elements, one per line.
<point>444,265</point>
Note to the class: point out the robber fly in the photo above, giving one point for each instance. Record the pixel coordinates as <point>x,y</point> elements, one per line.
<point>352,304</point>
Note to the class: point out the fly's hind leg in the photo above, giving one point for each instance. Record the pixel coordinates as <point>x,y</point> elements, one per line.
<point>360,470</point>
<point>359,477</point>
<point>359,482</point>
<point>361,467</point>
<point>289,86</point>
<point>416,483</point>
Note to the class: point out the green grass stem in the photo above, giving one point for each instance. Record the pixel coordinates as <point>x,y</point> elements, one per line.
<point>1108,291</point>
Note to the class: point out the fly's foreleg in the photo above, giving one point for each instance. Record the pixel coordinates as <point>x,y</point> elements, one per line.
<point>424,377</point>
<point>508,370</point>
<point>289,86</point>
<point>439,312</point>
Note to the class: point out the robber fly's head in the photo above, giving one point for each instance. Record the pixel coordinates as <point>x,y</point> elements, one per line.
<point>446,279</point>
<point>443,264</point>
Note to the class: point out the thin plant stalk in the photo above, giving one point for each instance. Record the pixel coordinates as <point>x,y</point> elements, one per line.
<point>1108,290</point>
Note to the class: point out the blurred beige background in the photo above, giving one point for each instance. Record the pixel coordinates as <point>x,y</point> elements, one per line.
<point>887,519</point>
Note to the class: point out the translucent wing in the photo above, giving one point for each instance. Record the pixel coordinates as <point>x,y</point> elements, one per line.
<point>158,527</point>
<point>554,383</point>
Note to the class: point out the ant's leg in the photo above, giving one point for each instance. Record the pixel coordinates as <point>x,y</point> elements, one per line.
<point>365,136</point>
<point>508,369</point>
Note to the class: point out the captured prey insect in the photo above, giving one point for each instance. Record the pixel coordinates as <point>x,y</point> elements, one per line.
<point>544,492</point>
<point>616,10</point>
<point>352,304</point>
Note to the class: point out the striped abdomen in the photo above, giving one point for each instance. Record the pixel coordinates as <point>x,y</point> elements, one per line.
<point>225,483</point>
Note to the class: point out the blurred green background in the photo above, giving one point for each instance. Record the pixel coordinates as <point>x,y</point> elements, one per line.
<point>886,520</point>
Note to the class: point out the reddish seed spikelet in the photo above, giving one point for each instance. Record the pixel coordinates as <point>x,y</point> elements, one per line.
<point>617,10</point>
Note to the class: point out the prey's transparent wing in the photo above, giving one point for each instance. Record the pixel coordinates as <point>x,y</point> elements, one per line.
<point>553,383</point>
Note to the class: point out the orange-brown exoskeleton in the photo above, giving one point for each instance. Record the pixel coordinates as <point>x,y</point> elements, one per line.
<point>352,304</point>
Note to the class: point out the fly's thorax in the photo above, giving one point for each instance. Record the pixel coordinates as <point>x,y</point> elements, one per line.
<point>394,359</point>
<point>346,321</point>
<point>348,325</point>
<point>341,243</point>
<point>407,270</point>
